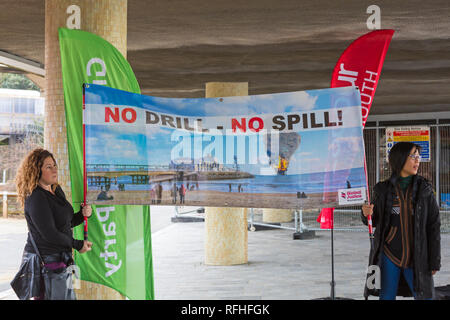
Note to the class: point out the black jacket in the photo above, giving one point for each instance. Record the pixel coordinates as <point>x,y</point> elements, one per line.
<point>50,219</point>
<point>427,237</point>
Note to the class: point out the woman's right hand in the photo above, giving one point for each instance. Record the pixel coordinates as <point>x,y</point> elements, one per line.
<point>367,209</point>
<point>87,246</point>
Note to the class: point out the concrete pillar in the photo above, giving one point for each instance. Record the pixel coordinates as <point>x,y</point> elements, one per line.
<point>108,19</point>
<point>277,215</point>
<point>226,233</point>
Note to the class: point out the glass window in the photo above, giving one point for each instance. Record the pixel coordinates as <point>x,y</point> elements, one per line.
<point>39,106</point>
<point>30,104</point>
<point>5,105</point>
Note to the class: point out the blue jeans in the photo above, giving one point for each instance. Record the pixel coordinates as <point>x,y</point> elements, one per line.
<point>390,276</point>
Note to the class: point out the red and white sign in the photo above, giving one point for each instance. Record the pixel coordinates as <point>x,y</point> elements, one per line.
<point>419,135</point>
<point>360,65</point>
<point>352,196</point>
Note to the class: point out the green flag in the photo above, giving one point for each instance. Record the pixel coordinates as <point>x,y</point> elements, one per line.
<point>121,254</point>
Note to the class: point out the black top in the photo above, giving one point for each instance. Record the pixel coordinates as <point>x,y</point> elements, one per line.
<point>399,236</point>
<point>50,219</point>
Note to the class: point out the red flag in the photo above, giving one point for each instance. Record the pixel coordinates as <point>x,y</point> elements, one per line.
<point>326,218</point>
<point>360,65</point>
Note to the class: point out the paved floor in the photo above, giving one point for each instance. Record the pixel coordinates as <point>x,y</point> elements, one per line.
<point>278,267</point>
<point>13,233</point>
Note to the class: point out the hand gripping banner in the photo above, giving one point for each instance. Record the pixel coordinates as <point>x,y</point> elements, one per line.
<point>265,151</point>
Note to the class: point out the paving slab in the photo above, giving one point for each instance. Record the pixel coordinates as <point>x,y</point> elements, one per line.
<point>278,267</point>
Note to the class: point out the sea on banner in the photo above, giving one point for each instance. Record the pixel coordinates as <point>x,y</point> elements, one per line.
<point>266,151</point>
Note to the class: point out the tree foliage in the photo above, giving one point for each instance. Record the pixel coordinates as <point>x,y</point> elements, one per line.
<point>12,154</point>
<point>17,81</point>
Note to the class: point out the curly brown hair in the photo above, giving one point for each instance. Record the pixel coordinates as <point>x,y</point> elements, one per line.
<point>29,173</point>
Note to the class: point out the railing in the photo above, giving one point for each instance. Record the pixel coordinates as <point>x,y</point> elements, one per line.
<point>124,167</point>
<point>348,220</point>
<point>4,198</point>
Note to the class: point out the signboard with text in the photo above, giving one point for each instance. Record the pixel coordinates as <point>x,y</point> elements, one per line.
<point>282,150</point>
<point>419,135</point>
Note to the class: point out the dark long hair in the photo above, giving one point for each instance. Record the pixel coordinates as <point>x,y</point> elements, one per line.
<point>399,155</point>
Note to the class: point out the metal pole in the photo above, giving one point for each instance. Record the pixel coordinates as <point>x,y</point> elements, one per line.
<point>437,169</point>
<point>377,146</point>
<point>332,263</point>
<point>301,220</point>
<point>252,228</point>
<point>300,213</point>
<point>272,226</point>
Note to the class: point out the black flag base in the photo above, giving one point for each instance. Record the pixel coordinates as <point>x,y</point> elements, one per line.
<point>332,294</point>
<point>304,235</point>
<point>186,219</point>
<point>195,215</point>
<point>335,298</point>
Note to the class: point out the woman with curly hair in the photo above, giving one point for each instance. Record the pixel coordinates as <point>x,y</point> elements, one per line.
<point>50,219</point>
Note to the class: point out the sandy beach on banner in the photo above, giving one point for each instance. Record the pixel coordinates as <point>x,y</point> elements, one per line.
<point>219,199</point>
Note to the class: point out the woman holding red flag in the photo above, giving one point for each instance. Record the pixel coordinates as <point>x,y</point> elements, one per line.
<point>407,237</point>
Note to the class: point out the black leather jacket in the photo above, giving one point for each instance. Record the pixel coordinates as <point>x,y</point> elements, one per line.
<point>427,237</point>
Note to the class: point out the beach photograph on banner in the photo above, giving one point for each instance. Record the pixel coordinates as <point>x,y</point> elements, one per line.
<point>300,149</point>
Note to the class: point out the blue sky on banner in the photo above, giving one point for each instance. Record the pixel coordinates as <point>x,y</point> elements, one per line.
<point>264,103</point>
<point>107,144</point>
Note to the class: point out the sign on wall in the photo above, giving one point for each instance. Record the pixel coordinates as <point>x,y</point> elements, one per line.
<point>419,135</point>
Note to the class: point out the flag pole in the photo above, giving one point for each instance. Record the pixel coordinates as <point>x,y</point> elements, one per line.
<point>369,217</point>
<point>365,53</point>
<point>332,293</point>
<point>84,171</point>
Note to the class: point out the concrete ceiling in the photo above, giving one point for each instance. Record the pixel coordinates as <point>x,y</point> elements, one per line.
<point>176,46</point>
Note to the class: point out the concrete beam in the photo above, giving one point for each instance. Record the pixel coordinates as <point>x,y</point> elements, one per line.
<point>20,63</point>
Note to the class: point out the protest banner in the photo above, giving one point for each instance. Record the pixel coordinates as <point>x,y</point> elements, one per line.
<point>266,151</point>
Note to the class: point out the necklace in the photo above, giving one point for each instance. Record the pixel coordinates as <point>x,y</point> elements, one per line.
<point>48,188</point>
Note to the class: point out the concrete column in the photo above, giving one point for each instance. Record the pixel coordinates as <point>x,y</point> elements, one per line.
<point>106,18</point>
<point>226,233</point>
<point>277,215</point>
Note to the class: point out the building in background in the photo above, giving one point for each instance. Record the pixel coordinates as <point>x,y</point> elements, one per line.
<point>21,120</point>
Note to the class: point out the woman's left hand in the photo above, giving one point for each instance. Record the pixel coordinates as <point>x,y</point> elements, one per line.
<point>86,210</point>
